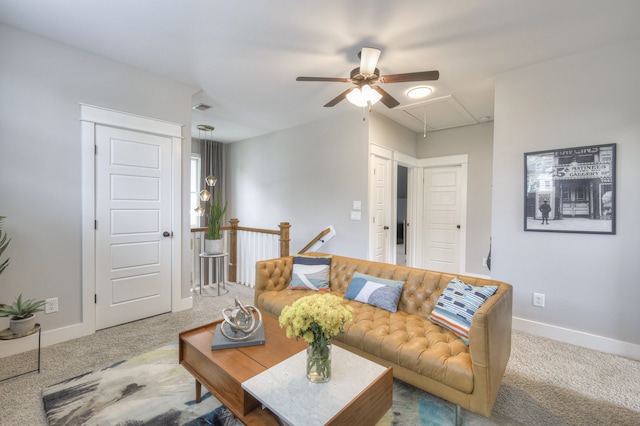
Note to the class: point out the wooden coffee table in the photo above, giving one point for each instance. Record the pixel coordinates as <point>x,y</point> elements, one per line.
<point>223,371</point>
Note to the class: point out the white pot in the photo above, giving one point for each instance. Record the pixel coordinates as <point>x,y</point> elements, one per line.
<point>213,246</point>
<point>19,326</point>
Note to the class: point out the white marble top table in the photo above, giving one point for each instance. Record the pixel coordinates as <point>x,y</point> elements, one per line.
<point>286,391</point>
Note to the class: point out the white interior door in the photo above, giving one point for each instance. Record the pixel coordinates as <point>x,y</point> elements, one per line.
<point>442,219</point>
<point>133,210</point>
<point>381,208</point>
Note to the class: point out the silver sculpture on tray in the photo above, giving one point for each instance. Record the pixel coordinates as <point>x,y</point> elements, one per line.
<point>240,323</point>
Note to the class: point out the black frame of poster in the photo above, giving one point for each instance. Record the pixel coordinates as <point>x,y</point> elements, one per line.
<point>571,190</point>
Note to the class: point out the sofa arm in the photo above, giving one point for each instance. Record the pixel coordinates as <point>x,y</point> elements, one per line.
<point>490,346</point>
<point>272,275</point>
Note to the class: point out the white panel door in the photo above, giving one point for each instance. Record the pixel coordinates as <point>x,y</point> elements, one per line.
<point>133,210</point>
<point>381,207</point>
<point>441,219</point>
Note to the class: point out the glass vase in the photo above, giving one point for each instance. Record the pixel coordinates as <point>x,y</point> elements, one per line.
<point>319,362</point>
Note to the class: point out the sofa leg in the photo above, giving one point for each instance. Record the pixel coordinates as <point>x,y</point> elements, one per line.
<point>458,416</point>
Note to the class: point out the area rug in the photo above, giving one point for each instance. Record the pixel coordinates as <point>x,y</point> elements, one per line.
<point>153,389</point>
<point>149,389</point>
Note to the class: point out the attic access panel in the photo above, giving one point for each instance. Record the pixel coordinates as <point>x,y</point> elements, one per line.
<point>441,113</point>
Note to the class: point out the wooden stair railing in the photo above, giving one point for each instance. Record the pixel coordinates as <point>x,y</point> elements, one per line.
<point>315,240</point>
<point>233,228</point>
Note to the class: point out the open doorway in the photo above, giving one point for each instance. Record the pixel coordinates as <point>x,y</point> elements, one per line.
<point>401,215</point>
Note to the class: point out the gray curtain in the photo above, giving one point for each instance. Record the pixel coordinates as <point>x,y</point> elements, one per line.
<point>212,162</point>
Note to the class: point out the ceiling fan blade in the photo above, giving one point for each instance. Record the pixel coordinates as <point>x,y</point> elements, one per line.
<point>339,80</point>
<point>339,98</point>
<point>368,60</point>
<point>412,76</point>
<point>387,99</point>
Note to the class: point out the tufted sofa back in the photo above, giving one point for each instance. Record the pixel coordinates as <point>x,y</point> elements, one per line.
<point>420,292</point>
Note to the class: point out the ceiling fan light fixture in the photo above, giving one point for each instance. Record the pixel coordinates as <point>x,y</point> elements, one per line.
<point>419,92</point>
<point>363,96</point>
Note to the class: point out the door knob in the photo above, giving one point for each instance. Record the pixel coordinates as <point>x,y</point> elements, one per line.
<point>167,234</point>
<point>458,226</point>
<point>386,227</point>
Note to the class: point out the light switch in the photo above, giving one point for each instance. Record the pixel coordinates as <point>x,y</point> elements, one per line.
<point>357,205</point>
<point>356,215</point>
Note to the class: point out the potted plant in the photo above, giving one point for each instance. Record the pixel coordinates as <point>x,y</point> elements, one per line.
<point>4,242</point>
<point>213,242</point>
<point>22,314</point>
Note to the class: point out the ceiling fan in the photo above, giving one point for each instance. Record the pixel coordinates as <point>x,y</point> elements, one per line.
<point>366,76</point>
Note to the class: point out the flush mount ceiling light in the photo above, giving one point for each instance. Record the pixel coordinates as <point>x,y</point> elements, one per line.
<point>419,92</point>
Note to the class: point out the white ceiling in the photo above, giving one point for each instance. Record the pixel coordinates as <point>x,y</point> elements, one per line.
<point>245,55</point>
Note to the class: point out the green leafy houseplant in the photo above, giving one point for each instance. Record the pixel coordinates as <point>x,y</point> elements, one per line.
<point>214,219</point>
<point>20,309</point>
<point>4,242</point>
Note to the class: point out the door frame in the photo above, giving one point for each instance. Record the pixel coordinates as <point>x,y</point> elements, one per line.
<point>411,163</point>
<point>461,161</point>
<point>387,154</point>
<point>396,159</point>
<point>90,116</point>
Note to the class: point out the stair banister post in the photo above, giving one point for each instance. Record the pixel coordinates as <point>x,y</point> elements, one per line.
<point>284,238</point>
<point>233,250</point>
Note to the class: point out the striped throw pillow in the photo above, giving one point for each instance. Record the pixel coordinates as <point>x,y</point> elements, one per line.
<point>457,304</point>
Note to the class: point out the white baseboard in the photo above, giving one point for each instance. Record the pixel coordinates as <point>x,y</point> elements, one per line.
<point>579,338</point>
<point>51,337</point>
<point>184,304</point>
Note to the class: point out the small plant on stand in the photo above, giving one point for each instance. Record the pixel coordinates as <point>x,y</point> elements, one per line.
<point>22,313</point>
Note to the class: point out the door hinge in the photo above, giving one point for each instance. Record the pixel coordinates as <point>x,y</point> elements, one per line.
<point>95,224</point>
<point>95,150</point>
<point>95,299</point>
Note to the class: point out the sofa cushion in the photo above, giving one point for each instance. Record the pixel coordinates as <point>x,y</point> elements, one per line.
<point>412,342</point>
<point>310,273</point>
<point>457,304</point>
<point>375,291</point>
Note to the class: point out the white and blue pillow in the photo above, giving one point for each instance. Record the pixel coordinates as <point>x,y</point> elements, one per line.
<point>457,304</point>
<point>310,273</point>
<point>375,291</point>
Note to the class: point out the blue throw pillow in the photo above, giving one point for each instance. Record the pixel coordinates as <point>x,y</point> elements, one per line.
<point>457,304</point>
<point>375,291</point>
<point>310,273</point>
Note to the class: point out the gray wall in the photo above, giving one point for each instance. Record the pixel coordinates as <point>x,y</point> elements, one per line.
<point>590,281</point>
<point>477,142</point>
<point>307,175</point>
<point>42,84</point>
<point>389,134</point>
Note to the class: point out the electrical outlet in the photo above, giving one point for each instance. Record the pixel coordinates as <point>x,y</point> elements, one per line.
<point>538,300</point>
<point>51,305</point>
<point>484,261</point>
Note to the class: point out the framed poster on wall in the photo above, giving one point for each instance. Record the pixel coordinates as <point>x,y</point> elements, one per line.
<point>571,190</point>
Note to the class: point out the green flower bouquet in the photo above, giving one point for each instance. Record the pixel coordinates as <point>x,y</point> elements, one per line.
<point>316,319</point>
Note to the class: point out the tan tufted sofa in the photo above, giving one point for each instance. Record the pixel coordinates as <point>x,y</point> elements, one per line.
<point>420,352</point>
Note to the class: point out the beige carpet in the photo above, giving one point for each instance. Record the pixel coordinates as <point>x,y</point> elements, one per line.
<point>546,382</point>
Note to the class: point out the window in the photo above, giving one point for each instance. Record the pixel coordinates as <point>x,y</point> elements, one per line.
<point>195,190</point>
